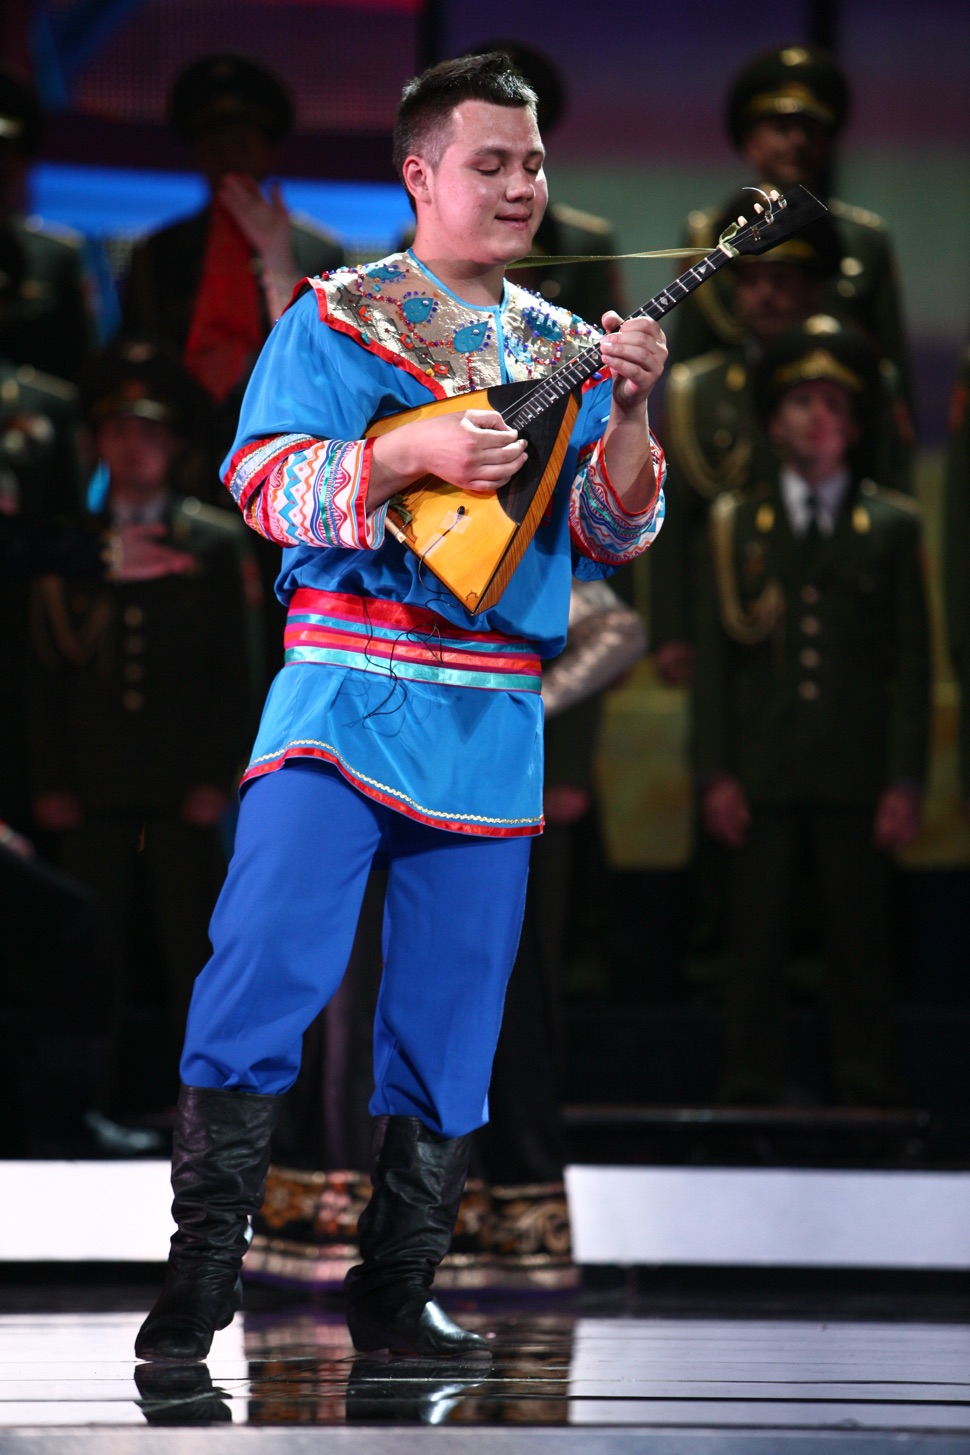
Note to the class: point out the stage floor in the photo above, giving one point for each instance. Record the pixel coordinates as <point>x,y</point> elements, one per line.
<point>583,1373</point>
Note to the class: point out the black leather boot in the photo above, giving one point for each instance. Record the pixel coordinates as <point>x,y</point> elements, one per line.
<point>220,1156</point>
<point>404,1232</point>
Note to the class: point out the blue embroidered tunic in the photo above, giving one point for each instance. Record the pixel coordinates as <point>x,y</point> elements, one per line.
<point>418,703</point>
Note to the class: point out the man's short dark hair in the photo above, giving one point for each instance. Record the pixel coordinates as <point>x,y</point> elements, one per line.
<point>429,99</point>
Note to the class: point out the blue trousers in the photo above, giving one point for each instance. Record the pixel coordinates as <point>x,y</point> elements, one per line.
<point>284,925</point>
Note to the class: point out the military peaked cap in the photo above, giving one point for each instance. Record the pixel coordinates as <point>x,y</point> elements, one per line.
<point>143,377</point>
<point>795,80</point>
<point>224,88</point>
<point>820,348</point>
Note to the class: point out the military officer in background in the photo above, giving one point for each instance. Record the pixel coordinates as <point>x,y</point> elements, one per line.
<point>47,323</point>
<point>956,557</point>
<point>40,488</point>
<point>214,283</point>
<point>716,440</point>
<point>785,111</point>
<point>811,715</point>
<point>139,696</point>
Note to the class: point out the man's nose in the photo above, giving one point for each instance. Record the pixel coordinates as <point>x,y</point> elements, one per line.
<point>522,184</point>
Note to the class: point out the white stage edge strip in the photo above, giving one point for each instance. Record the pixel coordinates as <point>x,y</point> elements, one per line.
<point>740,1217</point>
<point>78,1212</point>
<point>85,1212</point>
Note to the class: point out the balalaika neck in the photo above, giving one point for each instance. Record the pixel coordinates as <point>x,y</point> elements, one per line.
<point>567,378</point>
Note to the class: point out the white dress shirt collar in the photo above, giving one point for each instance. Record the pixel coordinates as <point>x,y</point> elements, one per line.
<point>829,495</point>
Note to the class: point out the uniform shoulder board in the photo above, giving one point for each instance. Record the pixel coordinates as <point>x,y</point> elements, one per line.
<point>860,215</point>
<point>56,232</point>
<point>690,369</point>
<point>304,223</point>
<point>687,403</point>
<point>889,375</point>
<point>896,498</point>
<point>588,221</point>
<point>212,516</point>
<point>701,222</point>
<point>32,378</point>
<point>725,506</point>
<point>748,624</point>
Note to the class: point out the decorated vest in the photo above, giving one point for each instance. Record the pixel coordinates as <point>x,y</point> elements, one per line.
<point>397,311</point>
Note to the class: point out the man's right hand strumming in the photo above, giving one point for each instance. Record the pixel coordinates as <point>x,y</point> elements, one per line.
<point>475,450</point>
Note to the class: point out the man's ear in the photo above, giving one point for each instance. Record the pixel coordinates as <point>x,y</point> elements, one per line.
<point>416,175</point>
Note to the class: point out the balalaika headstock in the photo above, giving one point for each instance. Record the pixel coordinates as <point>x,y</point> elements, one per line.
<point>775,218</point>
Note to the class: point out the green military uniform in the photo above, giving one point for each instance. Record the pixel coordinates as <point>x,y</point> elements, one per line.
<point>46,319</point>
<point>956,555</point>
<point>715,441</point>
<point>812,695</point>
<point>140,689</point>
<point>39,485</point>
<point>140,692</point>
<point>812,689</point>
<point>48,324</point>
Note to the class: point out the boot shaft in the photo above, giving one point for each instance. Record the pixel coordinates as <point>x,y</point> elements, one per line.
<point>220,1157</point>
<point>418,1177</point>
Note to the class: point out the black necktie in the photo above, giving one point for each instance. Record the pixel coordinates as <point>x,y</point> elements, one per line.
<point>812,534</point>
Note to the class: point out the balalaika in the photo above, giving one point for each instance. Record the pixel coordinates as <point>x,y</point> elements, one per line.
<point>474,542</point>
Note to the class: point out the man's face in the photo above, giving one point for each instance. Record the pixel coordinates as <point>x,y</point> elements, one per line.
<point>139,453</point>
<point>484,200</point>
<point>787,150</point>
<point>814,426</point>
<point>233,145</point>
<point>771,297</point>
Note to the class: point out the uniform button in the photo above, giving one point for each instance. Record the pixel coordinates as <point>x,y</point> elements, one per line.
<point>132,701</point>
<point>134,671</point>
<point>810,595</point>
<point>134,645</point>
<point>808,691</point>
<point>134,616</point>
<point>809,657</point>
<point>810,626</point>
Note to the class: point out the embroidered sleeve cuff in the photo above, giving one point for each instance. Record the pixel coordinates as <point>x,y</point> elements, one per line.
<point>317,495</point>
<point>600,526</point>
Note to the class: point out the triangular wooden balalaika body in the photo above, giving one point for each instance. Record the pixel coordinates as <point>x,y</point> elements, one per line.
<point>474,542</point>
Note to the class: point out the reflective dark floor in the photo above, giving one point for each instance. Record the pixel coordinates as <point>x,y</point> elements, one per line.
<point>594,1374</point>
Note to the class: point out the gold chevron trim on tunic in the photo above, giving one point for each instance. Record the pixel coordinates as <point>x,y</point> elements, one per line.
<point>708,480</point>
<point>757,624</point>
